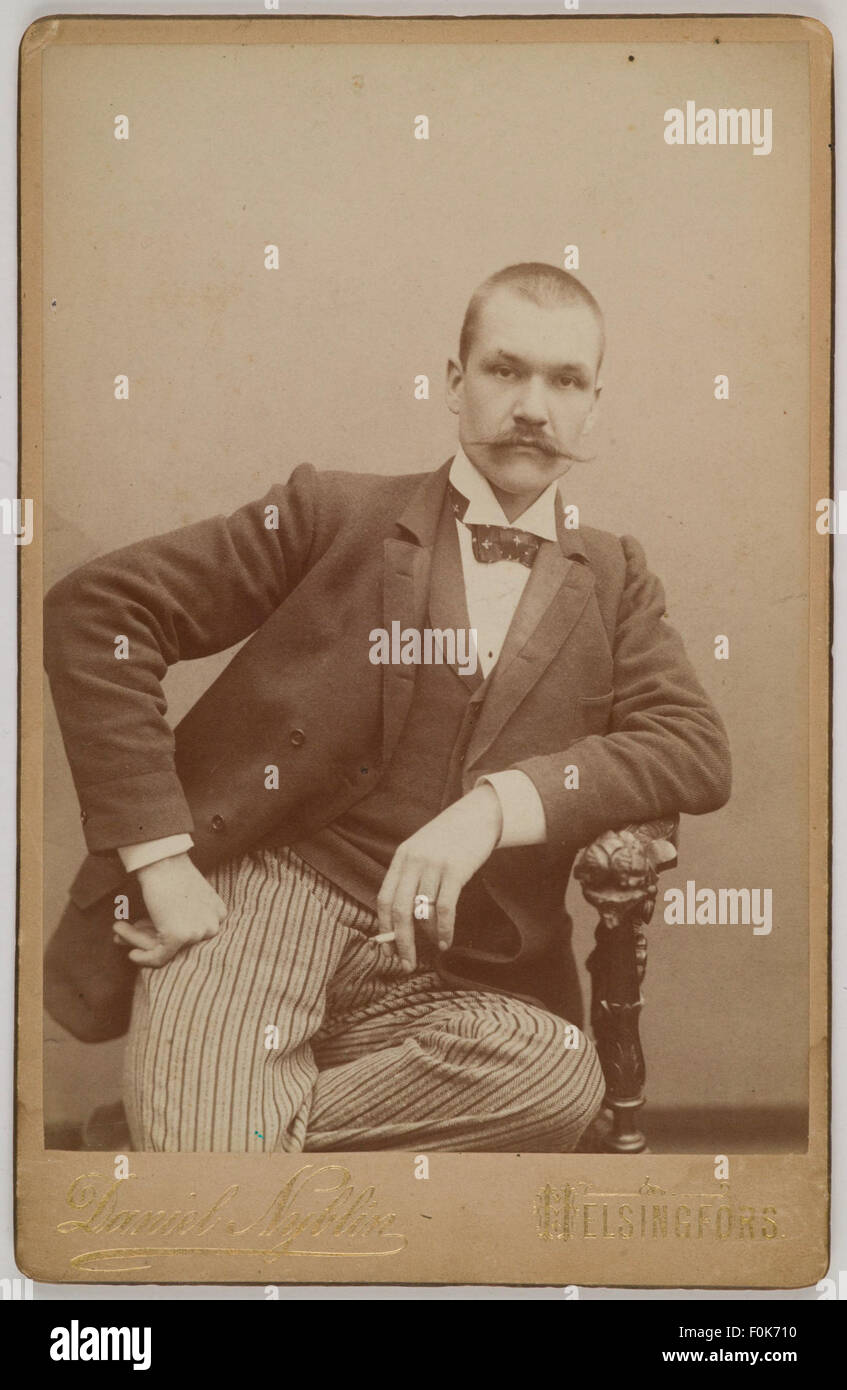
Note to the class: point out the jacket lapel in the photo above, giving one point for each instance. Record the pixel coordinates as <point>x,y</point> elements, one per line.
<point>406,581</point>
<point>556,593</point>
<point>447,600</point>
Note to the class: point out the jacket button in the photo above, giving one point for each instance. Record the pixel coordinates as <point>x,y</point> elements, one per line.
<point>83,815</point>
<point>297,737</point>
<point>218,823</point>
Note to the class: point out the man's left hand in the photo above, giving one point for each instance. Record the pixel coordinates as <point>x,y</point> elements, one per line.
<point>435,864</point>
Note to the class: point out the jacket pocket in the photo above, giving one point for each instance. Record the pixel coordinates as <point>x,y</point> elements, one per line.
<point>594,711</point>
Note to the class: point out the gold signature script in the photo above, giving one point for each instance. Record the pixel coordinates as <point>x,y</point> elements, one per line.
<point>319,1211</point>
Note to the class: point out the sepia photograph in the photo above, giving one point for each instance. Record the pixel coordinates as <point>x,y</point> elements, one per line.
<point>434,625</point>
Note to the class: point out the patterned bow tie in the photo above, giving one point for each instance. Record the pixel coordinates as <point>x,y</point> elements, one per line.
<point>492,543</point>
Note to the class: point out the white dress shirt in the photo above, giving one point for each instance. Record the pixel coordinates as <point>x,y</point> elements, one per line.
<point>492,593</point>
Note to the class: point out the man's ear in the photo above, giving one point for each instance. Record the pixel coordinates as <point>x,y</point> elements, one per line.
<point>455,380</point>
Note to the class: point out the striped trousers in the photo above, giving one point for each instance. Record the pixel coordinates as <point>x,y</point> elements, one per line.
<point>291,1030</point>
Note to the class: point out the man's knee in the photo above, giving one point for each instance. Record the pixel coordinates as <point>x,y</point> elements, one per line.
<point>580,1097</point>
<point>564,1086</point>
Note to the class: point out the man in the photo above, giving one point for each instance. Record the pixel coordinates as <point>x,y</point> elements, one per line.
<point>352,872</point>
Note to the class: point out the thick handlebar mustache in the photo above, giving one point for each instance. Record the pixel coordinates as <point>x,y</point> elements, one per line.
<point>545,446</point>
<point>513,440</point>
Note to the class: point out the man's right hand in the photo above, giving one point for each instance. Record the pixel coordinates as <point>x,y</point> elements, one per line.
<point>183,908</point>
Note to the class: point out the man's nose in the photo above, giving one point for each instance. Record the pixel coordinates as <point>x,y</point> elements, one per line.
<point>531,405</point>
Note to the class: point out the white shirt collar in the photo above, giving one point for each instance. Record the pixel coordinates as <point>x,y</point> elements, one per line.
<point>485,510</point>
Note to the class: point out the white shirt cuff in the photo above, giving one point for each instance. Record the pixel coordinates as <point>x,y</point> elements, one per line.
<point>139,856</point>
<point>524,821</point>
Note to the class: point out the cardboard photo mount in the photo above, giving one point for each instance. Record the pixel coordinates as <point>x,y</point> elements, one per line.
<point>628,1220</point>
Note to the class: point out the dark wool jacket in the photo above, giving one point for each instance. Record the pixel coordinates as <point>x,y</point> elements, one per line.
<point>591,675</point>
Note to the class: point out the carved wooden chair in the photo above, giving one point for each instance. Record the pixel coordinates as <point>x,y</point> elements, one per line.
<point>618,874</point>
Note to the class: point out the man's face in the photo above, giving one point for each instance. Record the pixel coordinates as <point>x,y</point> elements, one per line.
<point>527,394</point>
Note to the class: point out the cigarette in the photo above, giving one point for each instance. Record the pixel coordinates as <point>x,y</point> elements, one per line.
<point>385,936</point>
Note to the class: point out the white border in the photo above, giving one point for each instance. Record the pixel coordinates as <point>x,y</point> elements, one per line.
<point>15,17</point>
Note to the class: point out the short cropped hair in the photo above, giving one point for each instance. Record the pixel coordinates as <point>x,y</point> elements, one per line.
<point>546,285</point>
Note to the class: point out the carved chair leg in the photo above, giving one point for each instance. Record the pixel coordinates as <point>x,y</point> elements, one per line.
<point>618,874</point>
<point>617,966</point>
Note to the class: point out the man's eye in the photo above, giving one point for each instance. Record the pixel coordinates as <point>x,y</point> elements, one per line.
<point>567,381</point>
<point>503,372</point>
